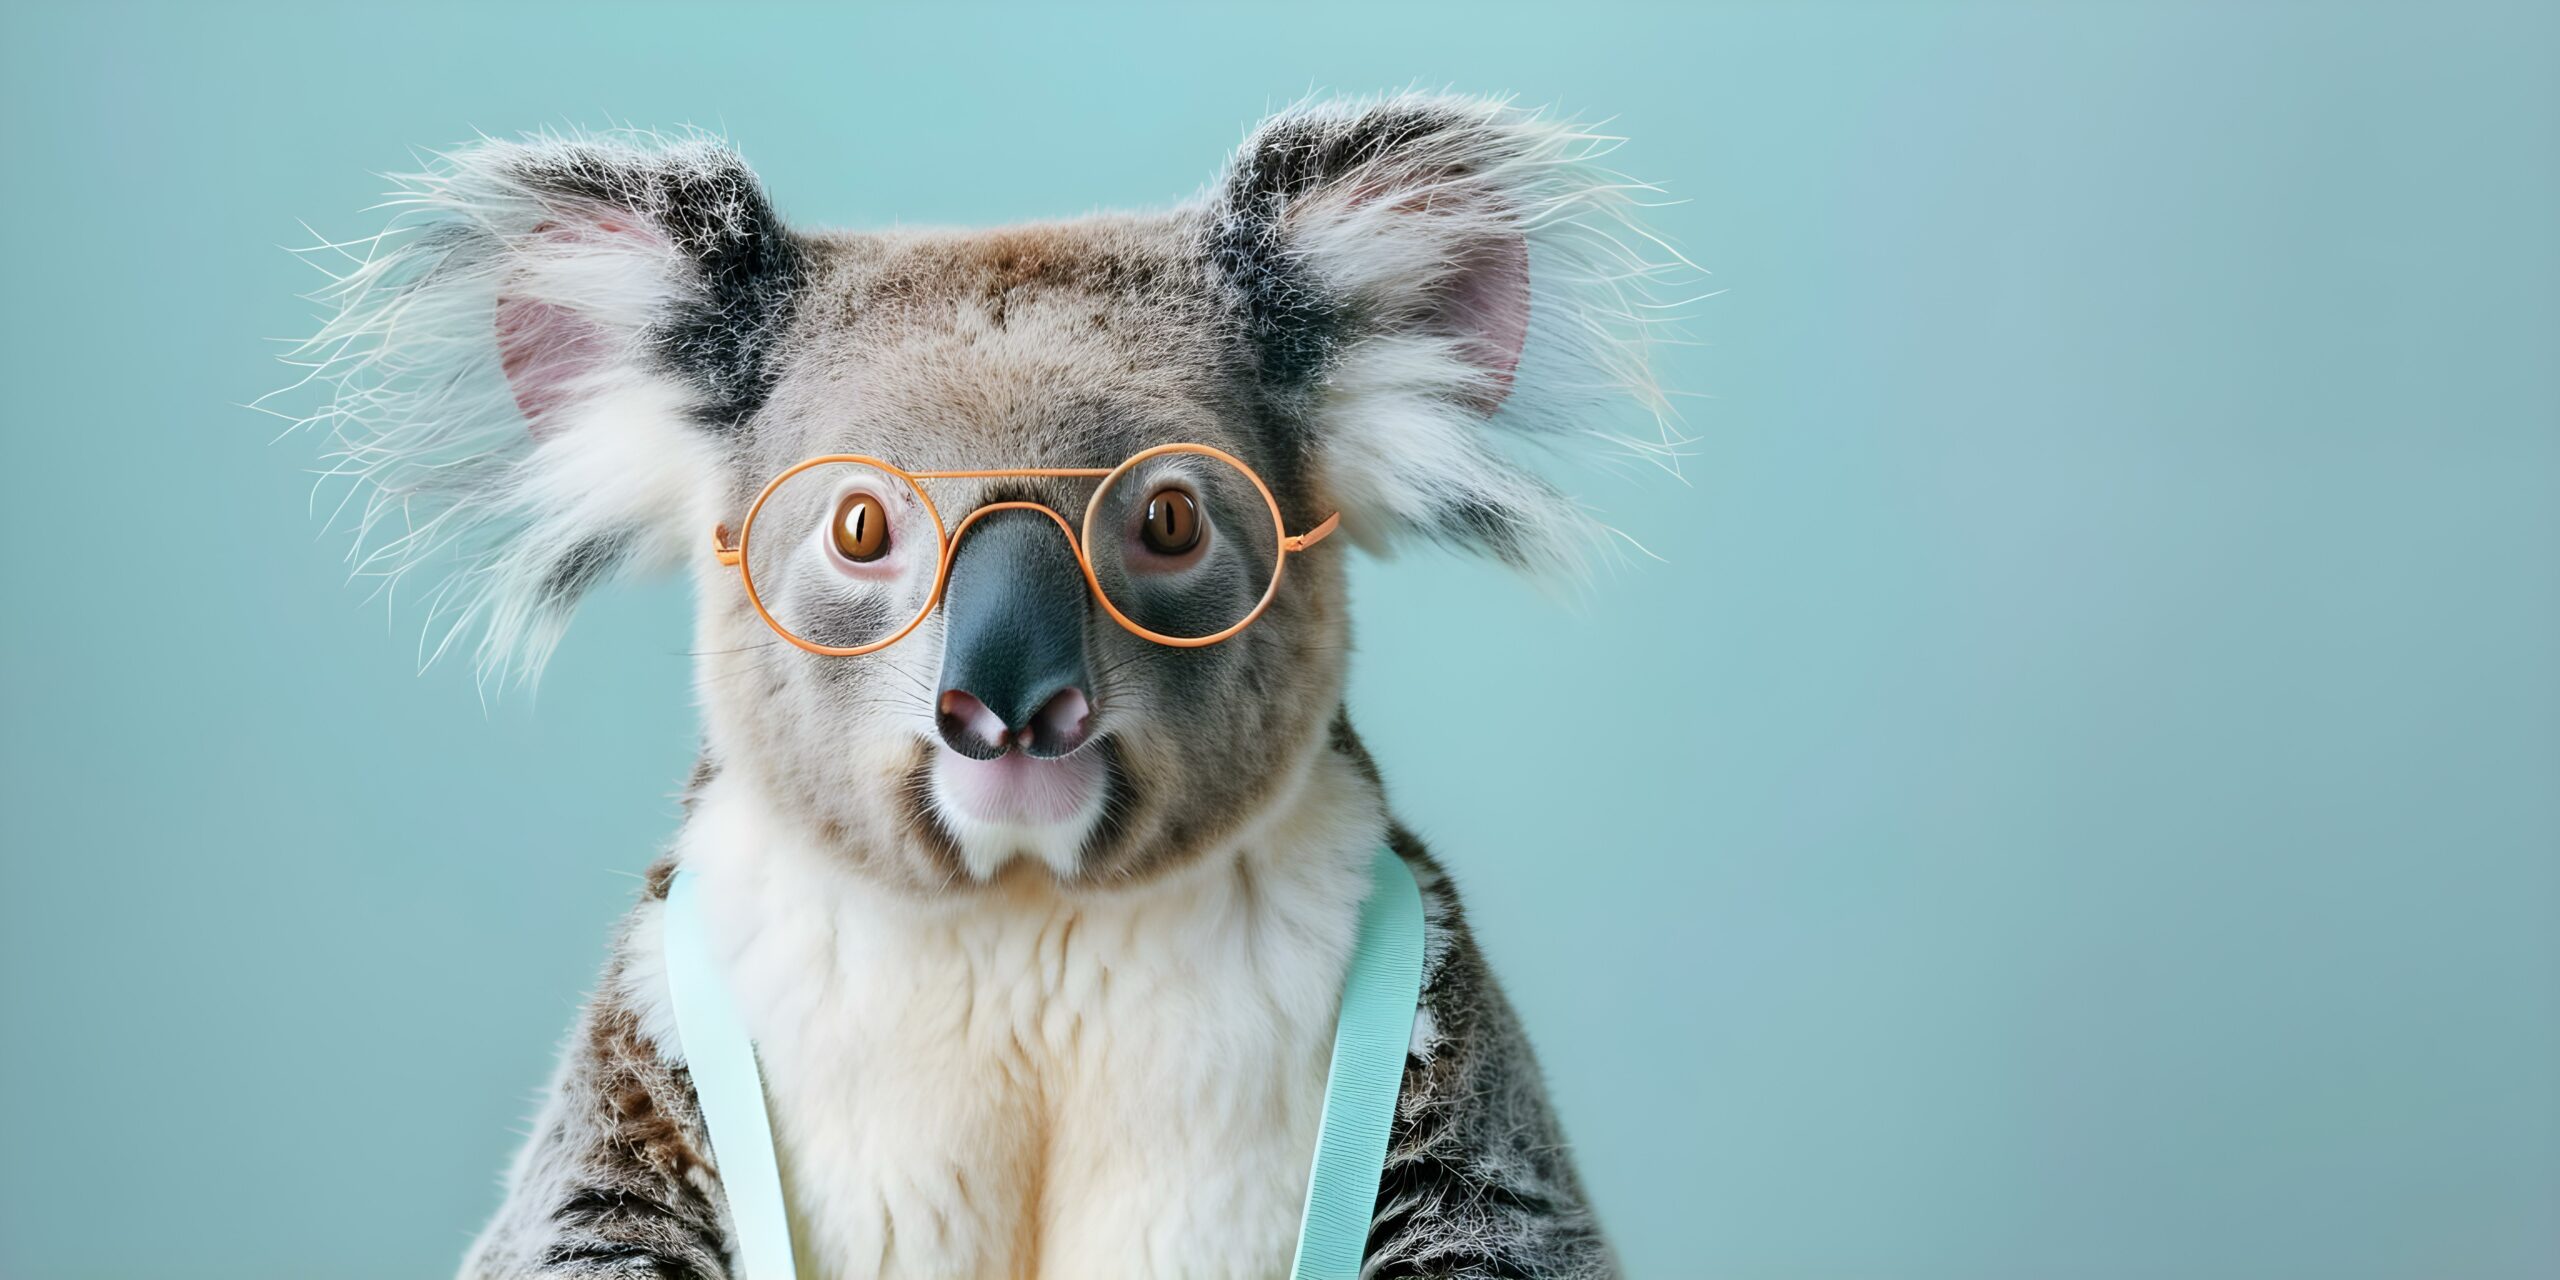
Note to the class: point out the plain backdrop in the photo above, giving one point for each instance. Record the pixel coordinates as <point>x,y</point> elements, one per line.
<point>2074,798</point>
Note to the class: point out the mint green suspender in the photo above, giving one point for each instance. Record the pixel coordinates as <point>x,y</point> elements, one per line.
<point>1369,1044</point>
<point>722,1062</point>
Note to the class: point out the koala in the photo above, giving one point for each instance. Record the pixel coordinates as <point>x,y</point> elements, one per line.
<point>1038,915</point>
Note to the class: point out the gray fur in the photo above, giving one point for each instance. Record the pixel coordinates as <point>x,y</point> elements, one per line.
<point>617,1179</point>
<point>1478,1181</point>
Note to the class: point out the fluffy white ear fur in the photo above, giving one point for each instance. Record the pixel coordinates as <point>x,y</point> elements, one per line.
<point>494,405</point>
<point>1482,273</point>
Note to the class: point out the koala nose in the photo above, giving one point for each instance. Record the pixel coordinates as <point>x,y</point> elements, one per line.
<point>1013,652</point>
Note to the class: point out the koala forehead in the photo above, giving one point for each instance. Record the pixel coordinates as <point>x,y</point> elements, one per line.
<point>1069,344</point>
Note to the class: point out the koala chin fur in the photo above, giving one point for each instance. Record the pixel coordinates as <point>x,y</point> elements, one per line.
<point>1063,1011</point>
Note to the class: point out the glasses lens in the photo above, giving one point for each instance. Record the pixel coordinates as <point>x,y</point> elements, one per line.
<point>1184,544</point>
<point>842,555</point>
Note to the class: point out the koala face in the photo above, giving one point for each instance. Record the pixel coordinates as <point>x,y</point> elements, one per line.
<point>578,356</point>
<point>1020,720</point>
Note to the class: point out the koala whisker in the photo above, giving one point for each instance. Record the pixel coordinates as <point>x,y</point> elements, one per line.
<point>1105,673</point>
<point>717,653</point>
<point>753,668</point>
<point>895,706</point>
<point>912,679</point>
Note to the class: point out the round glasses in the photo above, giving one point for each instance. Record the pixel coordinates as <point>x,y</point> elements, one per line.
<point>1182,544</point>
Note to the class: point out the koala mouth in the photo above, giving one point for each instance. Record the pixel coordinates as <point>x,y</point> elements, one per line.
<point>1020,791</point>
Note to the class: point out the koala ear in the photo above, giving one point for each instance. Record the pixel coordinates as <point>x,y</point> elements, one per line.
<point>534,371</point>
<point>1415,274</point>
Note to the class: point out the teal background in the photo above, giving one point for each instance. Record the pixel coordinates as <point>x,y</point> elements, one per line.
<point>2077,800</point>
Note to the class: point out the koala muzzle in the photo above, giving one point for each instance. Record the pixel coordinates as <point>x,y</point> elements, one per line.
<point>1013,653</point>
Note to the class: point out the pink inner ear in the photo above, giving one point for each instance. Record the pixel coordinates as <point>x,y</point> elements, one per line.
<point>1485,300</point>
<point>1486,303</point>
<point>546,349</point>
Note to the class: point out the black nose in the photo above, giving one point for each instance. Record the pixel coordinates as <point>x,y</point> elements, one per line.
<point>1013,657</point>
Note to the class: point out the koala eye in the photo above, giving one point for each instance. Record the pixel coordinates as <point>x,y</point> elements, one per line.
<point>1172,524</point>
<point>861,528</point>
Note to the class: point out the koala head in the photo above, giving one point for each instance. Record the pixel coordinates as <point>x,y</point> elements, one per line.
<point>573,357</point>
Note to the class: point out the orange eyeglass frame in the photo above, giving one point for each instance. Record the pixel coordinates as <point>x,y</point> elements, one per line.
<point>948,540</point>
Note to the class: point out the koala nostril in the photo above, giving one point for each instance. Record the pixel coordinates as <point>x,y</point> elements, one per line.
<point>1059,726</point>
<point>977,731</point>
<point>969,727</point>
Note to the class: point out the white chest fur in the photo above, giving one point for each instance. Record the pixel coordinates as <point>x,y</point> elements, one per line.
<point>1027,1083</point>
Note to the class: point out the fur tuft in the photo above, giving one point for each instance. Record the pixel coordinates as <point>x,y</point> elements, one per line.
<point>660,273</point>
<point>1354,237</point>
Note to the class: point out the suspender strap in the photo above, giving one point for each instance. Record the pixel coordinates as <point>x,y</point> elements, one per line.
<point>722,1062</point>
<point>1370,1041</point>
<point>1369,1046</point>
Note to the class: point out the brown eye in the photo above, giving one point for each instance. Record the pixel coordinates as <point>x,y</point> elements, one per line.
<point>861,528</point>
<point>1173,523</point>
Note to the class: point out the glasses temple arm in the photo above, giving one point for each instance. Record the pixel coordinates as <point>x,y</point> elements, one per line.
<point>722,547</point>
<point>1312,536</point>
